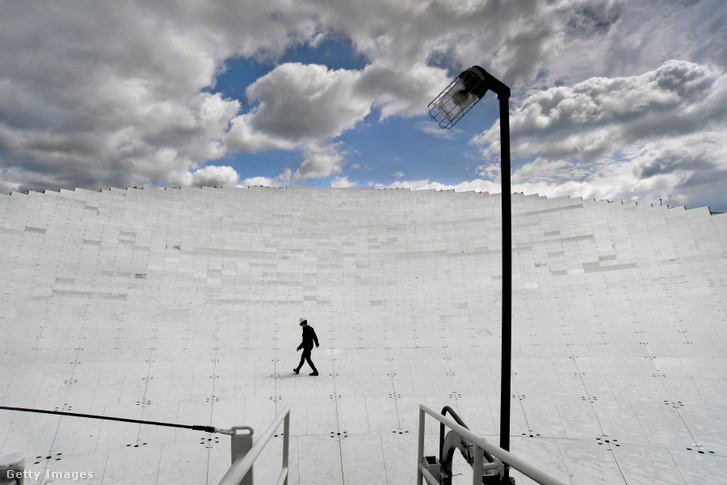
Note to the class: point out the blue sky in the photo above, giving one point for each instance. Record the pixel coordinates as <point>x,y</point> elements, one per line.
<point>611,99</point>
<point>378,151</point>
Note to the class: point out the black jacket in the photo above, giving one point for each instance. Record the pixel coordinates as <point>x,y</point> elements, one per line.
<point>309,337</point>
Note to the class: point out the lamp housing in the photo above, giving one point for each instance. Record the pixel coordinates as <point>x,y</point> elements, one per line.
<point>459,97</point>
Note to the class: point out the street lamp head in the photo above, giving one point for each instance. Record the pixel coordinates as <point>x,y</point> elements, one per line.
<point>459,97</point>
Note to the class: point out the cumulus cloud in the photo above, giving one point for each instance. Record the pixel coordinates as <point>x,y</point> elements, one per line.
<point>280,181</point>
<point>476,185</point>
<point>306,106</point>
<point>401,89</point>
<point>299,106</point>
<point>521,38</point>
<point>343,182</point>
<point>600,115</point>
<point>211,175</point>
<point>490,171</point>
<point>95,94</point>
<point>657,133</point>
<point>320,162</point>
<point>306,102</point>
<point>101,94</point>
<point>242,137</point>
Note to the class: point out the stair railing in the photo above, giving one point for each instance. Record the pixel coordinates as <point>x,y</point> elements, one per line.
<point>502,458</point>
<point>243,464</point>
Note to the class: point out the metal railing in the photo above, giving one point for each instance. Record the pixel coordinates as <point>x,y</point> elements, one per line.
<point>481,445</point>
<point>242,466</point>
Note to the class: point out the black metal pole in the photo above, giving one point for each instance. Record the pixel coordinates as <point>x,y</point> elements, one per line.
<point>489,82</point>
<point>505,391</point>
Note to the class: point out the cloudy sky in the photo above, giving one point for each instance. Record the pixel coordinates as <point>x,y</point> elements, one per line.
<point>623,100</point>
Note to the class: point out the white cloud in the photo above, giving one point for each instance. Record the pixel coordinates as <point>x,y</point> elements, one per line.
<point>401,89</point>
<point>320,161</point>
<point>477,185</point>
<point>674,171</point>
<point>600,115</point>
<point>660,133</point>
<point>343,182</point>
<point>242,137</point>
<point>304,107</point>
<point>112,93</point>
<point>490,171</point>
<point>211,175</point>
<point>299,105</point>
<point>280,181</point>
<point>521,38</point>
<point>302,102</point>
<point>431,129</point>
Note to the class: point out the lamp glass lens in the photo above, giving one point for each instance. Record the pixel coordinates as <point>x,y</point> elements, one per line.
<point>455,101</point>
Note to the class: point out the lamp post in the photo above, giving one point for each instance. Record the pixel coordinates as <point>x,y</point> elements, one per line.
<point>447,109</point>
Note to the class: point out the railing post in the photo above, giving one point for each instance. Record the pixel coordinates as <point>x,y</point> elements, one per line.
<point>241,444</point>
<point>420,450</point>
<point>242,464</point>
<point>286,445</point>
<point>477,467</point>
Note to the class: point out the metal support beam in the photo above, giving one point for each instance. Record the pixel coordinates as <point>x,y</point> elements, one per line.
<point>505,183</point>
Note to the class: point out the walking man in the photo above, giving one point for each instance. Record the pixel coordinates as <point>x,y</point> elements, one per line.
<point>309,337</point>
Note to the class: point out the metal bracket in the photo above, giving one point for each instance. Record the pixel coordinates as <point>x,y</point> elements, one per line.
<point>241,444</point>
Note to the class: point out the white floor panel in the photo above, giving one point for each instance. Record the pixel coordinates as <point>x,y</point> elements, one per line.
<point>542,418</point>
<point>706,425</point>
<point>30,434</point>
<point>578,418</point>
<point>382,415</point>
<point>700,468</point>
<point>352,415</point>
<point>619,421</point>
<point>179,463</point>
<point>362,458</point>
<point>479,417</point>
<point>663,423</point>
<point>641,464</point>
<point>590,462</point>
<point>133,465</point>
<point>77,435</point>
<point>114,434</point>
<point>319,460</point>
<point>397,452</point>
<point>542,452</point>
<point>155,434</point>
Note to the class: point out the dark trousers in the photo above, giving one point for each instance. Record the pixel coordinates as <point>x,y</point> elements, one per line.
<point>306,358</point>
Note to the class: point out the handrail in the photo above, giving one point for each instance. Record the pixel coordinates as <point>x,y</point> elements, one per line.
<point>459,421</point>
<point>480,444</point>
<point>237,471</point>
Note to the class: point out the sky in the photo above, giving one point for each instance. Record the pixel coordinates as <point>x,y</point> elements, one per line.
<point>623,100</point>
